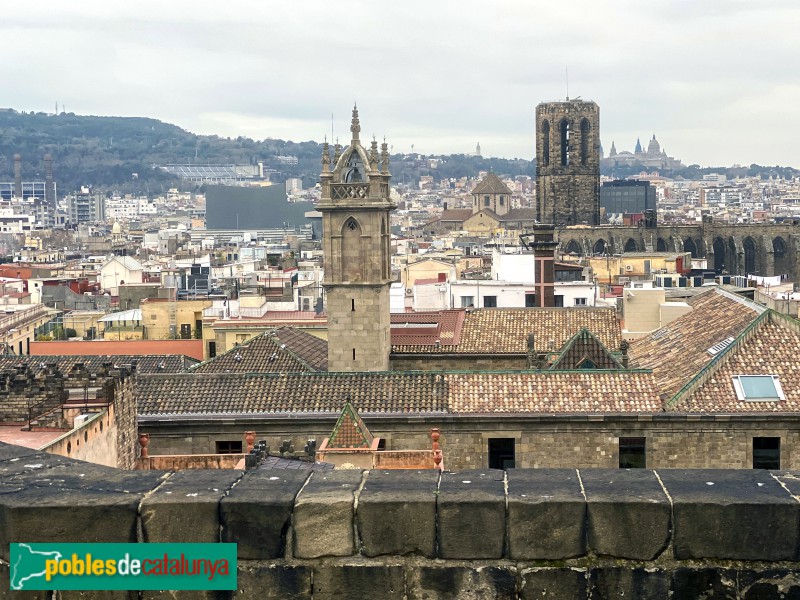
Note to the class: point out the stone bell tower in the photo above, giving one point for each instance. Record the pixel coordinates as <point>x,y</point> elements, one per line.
<point>355,209</point>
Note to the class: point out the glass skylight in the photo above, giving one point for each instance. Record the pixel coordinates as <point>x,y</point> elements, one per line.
<point>758,387</point>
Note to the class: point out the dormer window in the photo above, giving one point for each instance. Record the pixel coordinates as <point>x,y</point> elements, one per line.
<point>758,388</point>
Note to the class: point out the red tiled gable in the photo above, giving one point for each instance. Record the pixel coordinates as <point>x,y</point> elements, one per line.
<point>771,347</point>
<point>350,431</point>
<point>678,351</point>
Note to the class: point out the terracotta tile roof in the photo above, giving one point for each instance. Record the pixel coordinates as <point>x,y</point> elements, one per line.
<point>770,347</point>
<point>169,363</point>
<point>520,214</point>
<point>282,350</point>
<point>491,184</point>
<point>582,347</point>
<point>505,330</point>
<point>393,393</point>
<point>678,351</point>
<point>445,326</point>
<point>554,392</point>
<point>350,431</point>
<point>455,214</point>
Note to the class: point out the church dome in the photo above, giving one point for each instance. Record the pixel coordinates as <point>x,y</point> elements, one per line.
<point>116,228</point>
<point>654,148</point>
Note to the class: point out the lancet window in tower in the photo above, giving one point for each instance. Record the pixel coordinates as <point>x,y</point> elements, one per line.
<point>546,142</point>
<point>564,131</point>
<point>354,170</point>
<point>584,141</point>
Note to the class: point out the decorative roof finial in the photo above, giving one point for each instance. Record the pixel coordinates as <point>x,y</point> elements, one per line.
<point>355,124</point>
<point>373,154</point>
<point>384,156</point>
<point>326,156</point>
<point>337,151</point>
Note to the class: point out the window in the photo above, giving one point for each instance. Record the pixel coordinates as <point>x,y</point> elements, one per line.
<point>212,349</point>
<point>758,388</point>
<point>558,301</point>
<point>186,331</point>
<point>490,301</point>
<point>486,200</point>
<point>530,300</point>
<point>229,447</point>
<point>501,453</point>
<point>467,301</point>
<point>632,453</point>
<point>580,301</point>
<point>502,200</point>
<point>647,266</point>
<point>766,453</point>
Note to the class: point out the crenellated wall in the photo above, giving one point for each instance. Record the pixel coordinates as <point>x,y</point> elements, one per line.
<point>549,533</point>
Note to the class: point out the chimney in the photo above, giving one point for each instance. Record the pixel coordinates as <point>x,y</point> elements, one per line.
<point>18,176</point>
<point>445,205</point>
<point>544,250</point>
<point>49,189</point>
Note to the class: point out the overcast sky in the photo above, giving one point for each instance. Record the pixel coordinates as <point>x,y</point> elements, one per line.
<point>717,81</point>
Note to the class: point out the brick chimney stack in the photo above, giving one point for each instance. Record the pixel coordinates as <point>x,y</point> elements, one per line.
<point>18,176</point>
<point>544,247</point>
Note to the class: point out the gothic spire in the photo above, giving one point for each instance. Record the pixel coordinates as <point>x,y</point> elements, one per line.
<point>337,151</point>
<point>326,156</point>
<point>373,154</point>
<point>355,124</point>
<point>384,157</point>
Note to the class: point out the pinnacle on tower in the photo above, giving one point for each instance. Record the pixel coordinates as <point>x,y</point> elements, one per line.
<point>326,156</point>
<point>355,124</point>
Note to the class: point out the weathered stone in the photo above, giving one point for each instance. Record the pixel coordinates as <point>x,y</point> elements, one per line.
<point>629,514</point>
<point>273,582</point>
<point>461,583</point>
<point>472,515</point>
<point>356,582</point>
<point>323,515</point>
<point>553,584</point>
<point>546,514</point>
<point>185,508</point>
<point>777,584</point>
<point>396,513</point>
<point>257,512</point>
<point>709,584</point>
<point>609,583</point>
<point>740,515</point>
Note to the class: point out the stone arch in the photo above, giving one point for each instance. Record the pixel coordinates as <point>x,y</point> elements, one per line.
<point>661,245</point>
<point>573,247</point>
<point>690,246</point>
<point>545,142</point>
<point>720,252</point>
<point>352,166</point>
<point>780,252</point>
<point>564,131</point>
<point>352,260</point>
<point>749,247</point>
<point>631,245</point>
<point>600,247</point>
<point>584,141</point>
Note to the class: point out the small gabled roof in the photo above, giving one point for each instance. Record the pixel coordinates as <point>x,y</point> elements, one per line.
<point>584,351</point>
<point>350,430</point>
<point>491,184</point>
<point>128,262</point>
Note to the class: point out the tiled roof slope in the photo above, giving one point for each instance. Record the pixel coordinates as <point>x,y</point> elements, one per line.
<point>418,393</point>
<point>770,347</point>
<point>168,363</point>
<point>282,350</point>
<point>584,346</point>
<point>455,214</point>
<point>505,330</point>
<point>446,327</point>
<point>491,184</point>
<point>520,214</point>
<point>678,351</point>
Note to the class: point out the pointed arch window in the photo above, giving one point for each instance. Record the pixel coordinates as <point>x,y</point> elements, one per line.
<point>564,130</point>
<point>546,142</point>
<point>584,141</point>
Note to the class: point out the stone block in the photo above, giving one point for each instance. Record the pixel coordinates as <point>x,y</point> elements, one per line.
<point>461,583</point>
<point>396,513</point>
<point>323,515</point>
<point>185,508</point>
<point>709,584</point>
<point>472,515</point>
<point>554,584</point>
<point>628,582</point>
<point>546,514</point>
<point>628,513</point>
<point>358,582</point>
<point>72,502</point>
<point>257,512</point>
<point>273,582</point>
<point>777,584</point>
<point>733,514</point>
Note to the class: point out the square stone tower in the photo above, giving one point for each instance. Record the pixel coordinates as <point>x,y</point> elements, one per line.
<point>355,207</point>
<point>568,162</point>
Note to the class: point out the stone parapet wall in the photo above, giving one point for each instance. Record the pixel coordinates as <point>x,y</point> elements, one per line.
<point>549,533</point>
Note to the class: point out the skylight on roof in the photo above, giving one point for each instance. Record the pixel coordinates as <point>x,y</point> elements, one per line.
<point>756,388</point>
<point>659,334</point>
<point>719,347</point>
